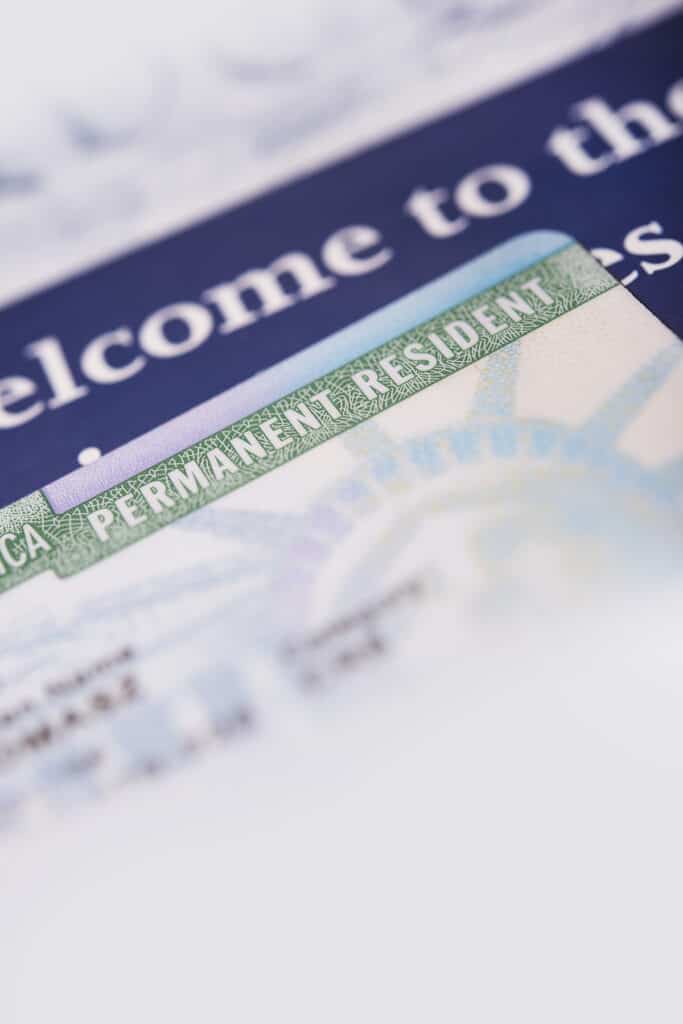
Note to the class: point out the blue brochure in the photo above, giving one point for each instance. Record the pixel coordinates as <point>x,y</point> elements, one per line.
<point>593,149</point>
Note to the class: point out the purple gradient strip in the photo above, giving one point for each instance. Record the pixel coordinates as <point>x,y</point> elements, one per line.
<point>250,396</point>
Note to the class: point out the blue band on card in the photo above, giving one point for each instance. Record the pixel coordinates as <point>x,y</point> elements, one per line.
<point>265,387</point>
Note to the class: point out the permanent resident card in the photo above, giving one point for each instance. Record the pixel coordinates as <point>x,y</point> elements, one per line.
<point>413,596</point>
